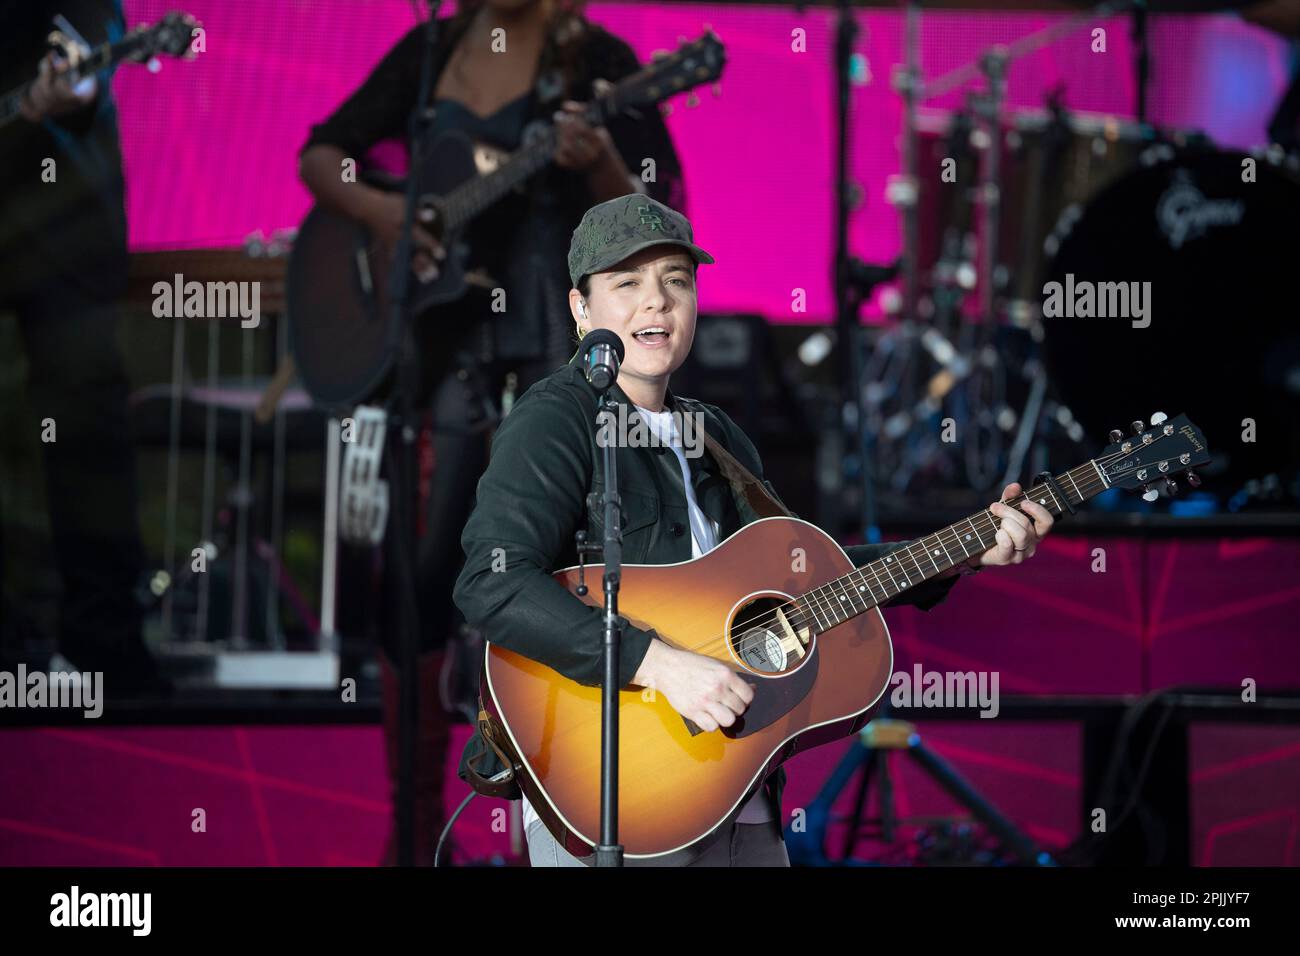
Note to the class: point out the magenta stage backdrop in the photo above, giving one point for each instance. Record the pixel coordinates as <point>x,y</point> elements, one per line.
<point>1208,613</point>
<point>211,146</point>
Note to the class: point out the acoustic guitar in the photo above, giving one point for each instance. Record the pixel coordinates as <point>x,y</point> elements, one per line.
<point>782,604</point>
<point>343,340</point>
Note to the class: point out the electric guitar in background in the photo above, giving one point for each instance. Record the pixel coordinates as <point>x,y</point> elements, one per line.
<point>341,336</point>
<point>171,35</point>
<point>811,643</point>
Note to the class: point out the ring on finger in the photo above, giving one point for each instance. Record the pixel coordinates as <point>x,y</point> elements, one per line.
<point>1017,522</point>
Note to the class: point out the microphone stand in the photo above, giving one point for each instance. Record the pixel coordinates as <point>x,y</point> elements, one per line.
<point>402,429</point>
<point>609,852</point>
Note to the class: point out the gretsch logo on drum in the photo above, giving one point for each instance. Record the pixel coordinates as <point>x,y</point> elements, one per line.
<point>1184,213</point>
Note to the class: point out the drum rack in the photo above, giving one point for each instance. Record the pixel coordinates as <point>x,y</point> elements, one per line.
<point>888,395</point>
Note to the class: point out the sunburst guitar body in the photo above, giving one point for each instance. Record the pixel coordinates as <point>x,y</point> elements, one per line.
<point>678,785</point>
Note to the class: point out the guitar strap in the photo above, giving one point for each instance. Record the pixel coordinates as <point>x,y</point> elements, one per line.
<point>502,783</point>
<point>743,482</point>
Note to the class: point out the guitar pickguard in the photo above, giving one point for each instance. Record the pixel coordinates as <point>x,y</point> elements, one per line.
<point>487,158</point>
<point>774,697</point>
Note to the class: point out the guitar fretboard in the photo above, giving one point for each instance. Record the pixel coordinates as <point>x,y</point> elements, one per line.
<point>879,581</point>
<point>470,198</point>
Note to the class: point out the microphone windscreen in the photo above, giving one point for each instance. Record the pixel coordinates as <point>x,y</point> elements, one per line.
<point>602,337</point>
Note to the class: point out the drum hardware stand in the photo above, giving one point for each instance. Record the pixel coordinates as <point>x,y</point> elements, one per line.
<point>857,495</point>
<point>976,360</point>
<point>880,736</point>
<point>952,277</point>
<point>1036,413</point>
<point>1142,56</point>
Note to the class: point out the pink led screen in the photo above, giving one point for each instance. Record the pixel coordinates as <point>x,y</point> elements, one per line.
<point>211,145</point>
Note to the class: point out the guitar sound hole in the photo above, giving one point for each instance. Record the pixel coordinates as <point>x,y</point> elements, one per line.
<point>760,641</point>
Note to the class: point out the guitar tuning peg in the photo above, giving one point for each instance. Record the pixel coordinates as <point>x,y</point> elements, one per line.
<point>1158,418</point>
<point>692,101</point>
<point>1116,435</point>
<point>666,109</point>
<point>1137,427</point>
<point>1171,487</point>
<point>1149,493</point>
<point>1193,479</point>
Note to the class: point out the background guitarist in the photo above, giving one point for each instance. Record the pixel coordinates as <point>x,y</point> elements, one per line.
<point>63,264</point>
<point>633,265</point>
<point>553,58</point>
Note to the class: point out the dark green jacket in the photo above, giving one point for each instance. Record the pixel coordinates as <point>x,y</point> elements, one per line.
<point>533,496</point>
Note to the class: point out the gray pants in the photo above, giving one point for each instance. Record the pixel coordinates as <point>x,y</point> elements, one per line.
<point>746,844</point>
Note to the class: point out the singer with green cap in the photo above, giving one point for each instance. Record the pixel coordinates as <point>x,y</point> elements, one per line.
<point>634,265</point>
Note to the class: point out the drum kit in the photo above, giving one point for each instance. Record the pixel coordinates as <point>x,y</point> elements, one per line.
<point>1079,198</point>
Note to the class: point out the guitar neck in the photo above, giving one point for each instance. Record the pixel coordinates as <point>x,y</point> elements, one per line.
<point>103,57</point>
<point>880,581</point>
<point>469,199</point>
<point>692,65</point>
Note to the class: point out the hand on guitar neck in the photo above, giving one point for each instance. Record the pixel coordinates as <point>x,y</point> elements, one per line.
<point>1020,530</point>
<point>52,92</point>
<point>591,151</point>
<point>711,694</point>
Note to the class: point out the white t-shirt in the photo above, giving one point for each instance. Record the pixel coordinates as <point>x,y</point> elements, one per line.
<point>704,538</point>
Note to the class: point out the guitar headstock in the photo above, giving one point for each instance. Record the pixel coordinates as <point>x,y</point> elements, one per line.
<point>692,64</point>
<point>1154,453</point>
<point>172,35</point>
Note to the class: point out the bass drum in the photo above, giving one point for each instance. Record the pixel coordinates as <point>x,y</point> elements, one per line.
<point>1220,249</point>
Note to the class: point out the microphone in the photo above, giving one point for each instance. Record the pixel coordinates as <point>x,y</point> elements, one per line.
<point>602,351</point>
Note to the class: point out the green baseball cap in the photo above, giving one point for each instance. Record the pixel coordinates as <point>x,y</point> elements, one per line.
<point>617,228</point>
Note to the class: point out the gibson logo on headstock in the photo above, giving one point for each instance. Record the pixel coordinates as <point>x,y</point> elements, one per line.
<point>1187,432</point>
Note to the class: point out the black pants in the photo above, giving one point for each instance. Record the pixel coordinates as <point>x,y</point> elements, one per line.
<point>466,404</point>
<point>462,387</point>
<point>743,844</point>
<point>76,379</point>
